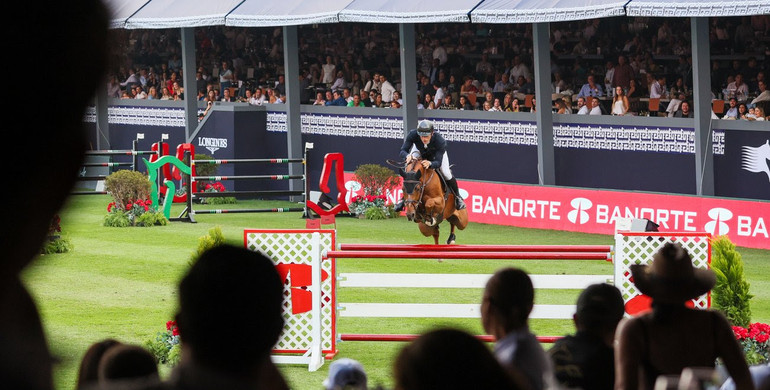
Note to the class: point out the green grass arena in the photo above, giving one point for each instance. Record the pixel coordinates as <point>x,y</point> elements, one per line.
<point>121,282</point>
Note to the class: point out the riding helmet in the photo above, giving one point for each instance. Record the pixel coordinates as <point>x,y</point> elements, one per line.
<point>425,127</point>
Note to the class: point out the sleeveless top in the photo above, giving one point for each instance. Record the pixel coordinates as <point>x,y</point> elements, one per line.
<point>617,107</point>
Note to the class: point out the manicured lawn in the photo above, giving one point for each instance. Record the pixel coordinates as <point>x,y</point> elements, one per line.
<point>121,282</point>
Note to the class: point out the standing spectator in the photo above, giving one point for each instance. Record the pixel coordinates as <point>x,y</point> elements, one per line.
<point>508,300</point>
<point>619,102</point>
<point>519,68</point>
<point>673,336</point>
<point>656,90</point>
<point>608,75</point>
<point>439,52</point>
<point>386,88</point>
<point>233,285</point>
<point>113,87</point>
<point>738,88</point>
<point>328,71</point>
<point>226,76</point>
<point>623,73</point>
<point>586,360</point>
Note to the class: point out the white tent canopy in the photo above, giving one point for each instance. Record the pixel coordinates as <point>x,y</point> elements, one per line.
<point>263,13</point>
<point>159,14</point>
<point>542,11</point>
<point>694,8</point>
<point>121,10</point>
<point>408,11</point>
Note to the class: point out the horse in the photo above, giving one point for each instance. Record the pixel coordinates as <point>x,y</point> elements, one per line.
<point>428,202</point>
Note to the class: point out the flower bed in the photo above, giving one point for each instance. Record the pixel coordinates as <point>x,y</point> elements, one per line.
<point>165,346</point>
<point>754,341</point>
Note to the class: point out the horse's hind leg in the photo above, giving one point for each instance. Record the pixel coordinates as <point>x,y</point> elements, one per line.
<point>452,237</point>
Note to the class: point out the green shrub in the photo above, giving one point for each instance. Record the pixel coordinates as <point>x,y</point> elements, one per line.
<point>213,239</point>
<point>117,219</point>
<point>205,169</point>
<point>375,213</point>
<point>376,179</point>
<point>151,218</point>
<point>174,355</point>
<point>126,186</point>
<point>730,295</point>
<point>58,245</point>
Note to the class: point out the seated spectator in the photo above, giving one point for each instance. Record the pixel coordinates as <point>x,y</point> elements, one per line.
<point>397,97</point>
<point>226,96</point>
<point>732,111</point>
<point>590,88</point>
<point>743,111</point>
<point>582,107</point>
<point>468,86</point>
<point>463,103</point>
<point>673,105</point>
<point>505,307</point>
<point>596,108</point>
<point>450,359</point>
<point>234,286</point>
<point>356,102</point>
<point>586,360</point>
<point>378,103</point>
<point>88,373</point>
<point>684,110</point>
<point>339,83</point>
<point>672,336</point>
<point>337,100</point>
<point>345,374</point>
<point>364,96</point>
<point>487,106</point>
<point>447,103</point>
<point>497,106</point>
<point>258,99</point>
<point>128,366</point>
<point>759,114</point>
<point>561,107</point>
<point>619,102</point>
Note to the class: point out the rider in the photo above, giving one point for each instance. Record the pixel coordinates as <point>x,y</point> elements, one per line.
<point>431,146</point>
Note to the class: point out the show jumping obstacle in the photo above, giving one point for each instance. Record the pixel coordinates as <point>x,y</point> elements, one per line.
<point>188,214</point>
<point>313,333</point>
<point>133,152</point>
<point>475,281</point>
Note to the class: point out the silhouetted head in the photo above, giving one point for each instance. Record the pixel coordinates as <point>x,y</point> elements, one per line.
<point>508,299</point>
<point>230,308</point>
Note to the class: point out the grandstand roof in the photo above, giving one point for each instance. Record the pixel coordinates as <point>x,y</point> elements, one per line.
<point>158,14</point>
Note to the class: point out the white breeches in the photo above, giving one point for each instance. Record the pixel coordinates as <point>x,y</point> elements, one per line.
<point>443,169</point>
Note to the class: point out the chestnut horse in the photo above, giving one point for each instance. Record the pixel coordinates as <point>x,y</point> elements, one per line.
<point>428,202</point>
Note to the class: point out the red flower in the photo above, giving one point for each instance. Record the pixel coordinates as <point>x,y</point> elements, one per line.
<point>148,202</point>
<point>129,206</point>
<point>146,208</point>
<point>110,206</point>
<point>740,332</point>
<point>175,331</point>
<point>170,325</point>
<point>762,337</point>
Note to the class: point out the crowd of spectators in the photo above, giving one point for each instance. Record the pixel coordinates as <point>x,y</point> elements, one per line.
<point>490,65</point>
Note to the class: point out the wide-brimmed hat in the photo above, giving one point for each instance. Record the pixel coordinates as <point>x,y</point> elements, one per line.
<point>671,278</point>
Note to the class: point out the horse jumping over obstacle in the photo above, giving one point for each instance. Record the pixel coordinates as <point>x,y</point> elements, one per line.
<point>428,202</point>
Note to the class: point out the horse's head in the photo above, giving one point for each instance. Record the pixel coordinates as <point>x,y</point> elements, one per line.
<point>413,175</point>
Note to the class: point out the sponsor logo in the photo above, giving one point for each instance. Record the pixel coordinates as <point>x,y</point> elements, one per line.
<point>755,159</point>
<point>579,215</point>
<point>212,144</point>
<point>717,226</point>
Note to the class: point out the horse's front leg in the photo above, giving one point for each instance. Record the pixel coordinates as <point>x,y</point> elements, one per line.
<point>433,210</point>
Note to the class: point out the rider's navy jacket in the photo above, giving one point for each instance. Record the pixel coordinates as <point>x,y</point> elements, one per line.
<point>434,152</point>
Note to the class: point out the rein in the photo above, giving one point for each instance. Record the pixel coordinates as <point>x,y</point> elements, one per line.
<point>421,184</point>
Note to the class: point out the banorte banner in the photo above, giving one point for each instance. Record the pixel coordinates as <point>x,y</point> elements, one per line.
<point>597,211</point>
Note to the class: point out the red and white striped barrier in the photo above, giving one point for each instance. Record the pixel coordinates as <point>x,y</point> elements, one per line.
<point>477,281</point>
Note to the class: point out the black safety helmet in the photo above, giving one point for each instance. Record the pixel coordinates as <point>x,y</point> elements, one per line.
<point>425,128</point>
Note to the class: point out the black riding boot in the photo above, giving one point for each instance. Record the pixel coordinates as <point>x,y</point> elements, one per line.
<point>399,206</point>
<point>452,184</point>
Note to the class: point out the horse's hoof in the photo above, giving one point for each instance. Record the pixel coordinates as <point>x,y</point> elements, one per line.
<point>451,239</point>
